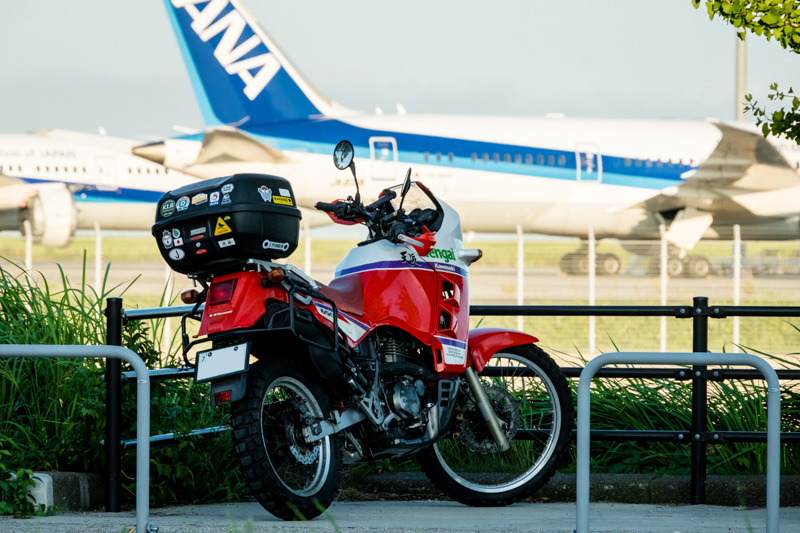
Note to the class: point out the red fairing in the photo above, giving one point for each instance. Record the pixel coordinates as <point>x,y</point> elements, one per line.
<point>405,298</point>
<point>246,306</point>
<point>485,342</point>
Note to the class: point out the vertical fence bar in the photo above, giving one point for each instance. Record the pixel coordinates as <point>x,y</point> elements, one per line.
<point>737,281</point>
<point>699,401</point>
<point>592,291</point>
<point>662,264</point>
<point>520,272</point>
<point>113,449</point>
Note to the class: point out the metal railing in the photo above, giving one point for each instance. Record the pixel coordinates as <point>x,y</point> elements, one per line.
<point>696,436</point>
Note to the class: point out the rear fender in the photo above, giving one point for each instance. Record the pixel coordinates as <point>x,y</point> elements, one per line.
<point>485,342</point>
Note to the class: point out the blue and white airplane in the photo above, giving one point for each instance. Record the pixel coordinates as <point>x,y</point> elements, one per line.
<point>60,181</point>
<point>551,175</point>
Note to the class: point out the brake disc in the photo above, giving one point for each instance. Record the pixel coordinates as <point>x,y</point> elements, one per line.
<point>474,433</point>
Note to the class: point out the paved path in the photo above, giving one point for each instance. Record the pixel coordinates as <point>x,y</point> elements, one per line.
<point>420,516</point>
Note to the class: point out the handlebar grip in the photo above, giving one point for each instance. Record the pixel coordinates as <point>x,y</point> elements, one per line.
<point>325,206</point>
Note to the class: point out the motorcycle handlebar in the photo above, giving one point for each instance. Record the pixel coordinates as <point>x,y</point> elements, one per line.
<point>325,206</point>
<point>385,199</point>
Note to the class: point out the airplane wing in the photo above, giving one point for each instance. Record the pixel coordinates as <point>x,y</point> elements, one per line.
<point>13,192</point>
<point>220,150</point>
<point>744,175</point>
<point>226,145</point>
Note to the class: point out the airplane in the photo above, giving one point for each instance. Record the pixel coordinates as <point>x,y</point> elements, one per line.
<point>60,181</point>
<point>548,175</point>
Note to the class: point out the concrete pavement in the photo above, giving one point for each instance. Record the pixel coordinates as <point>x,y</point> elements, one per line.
<point>420,516</point>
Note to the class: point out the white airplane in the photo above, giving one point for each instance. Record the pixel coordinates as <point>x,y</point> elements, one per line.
<point>61,181</point>
<point>551,175</point>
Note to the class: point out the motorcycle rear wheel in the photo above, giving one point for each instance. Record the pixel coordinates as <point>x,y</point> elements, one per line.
<point>290,478</point>
<point>536,412</point>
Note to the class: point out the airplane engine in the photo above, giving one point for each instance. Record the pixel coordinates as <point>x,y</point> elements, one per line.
<point>52,215</point>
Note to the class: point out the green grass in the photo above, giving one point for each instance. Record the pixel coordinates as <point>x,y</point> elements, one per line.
<point>52,411</point>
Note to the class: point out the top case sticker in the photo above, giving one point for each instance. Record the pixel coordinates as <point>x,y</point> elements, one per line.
<point>227,188</point>
<point>266,193</point>
<point>213,198</point>
<point>221,228</point>
<point>183,203</point>
<point>168,208</point>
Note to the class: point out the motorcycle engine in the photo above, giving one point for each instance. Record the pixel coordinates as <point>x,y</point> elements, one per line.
<point>404,377</point>
<point>406,397</point>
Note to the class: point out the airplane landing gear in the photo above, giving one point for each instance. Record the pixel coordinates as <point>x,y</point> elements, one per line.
<point>691,266</point>
<point>577,264</point>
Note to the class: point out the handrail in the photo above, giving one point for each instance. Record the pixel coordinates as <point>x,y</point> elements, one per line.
<point>142,407</point>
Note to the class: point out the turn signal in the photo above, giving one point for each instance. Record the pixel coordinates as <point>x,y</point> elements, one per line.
<point>189,297</point>
<point>276,275</point>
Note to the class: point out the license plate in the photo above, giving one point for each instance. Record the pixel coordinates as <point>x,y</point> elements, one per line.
<point>221,362</point>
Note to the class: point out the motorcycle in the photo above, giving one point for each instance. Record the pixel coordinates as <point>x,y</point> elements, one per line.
<point>377,364</point>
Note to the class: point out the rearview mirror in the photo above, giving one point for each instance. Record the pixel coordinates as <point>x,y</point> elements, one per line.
<point>343,155</point>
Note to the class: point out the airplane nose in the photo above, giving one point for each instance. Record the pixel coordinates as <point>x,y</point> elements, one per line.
<point>155,151</point>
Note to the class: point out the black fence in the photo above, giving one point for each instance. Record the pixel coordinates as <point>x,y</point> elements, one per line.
<point>696,436</point>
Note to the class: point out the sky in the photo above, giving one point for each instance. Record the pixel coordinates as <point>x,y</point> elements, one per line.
<point>85,64</point>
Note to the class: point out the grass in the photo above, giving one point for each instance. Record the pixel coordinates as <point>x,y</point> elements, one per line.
<point>52,411</point>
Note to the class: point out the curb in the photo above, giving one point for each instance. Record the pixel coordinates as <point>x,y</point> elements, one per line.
<point>85,492</point>
<point>737,491</point>
<point>69,491</point>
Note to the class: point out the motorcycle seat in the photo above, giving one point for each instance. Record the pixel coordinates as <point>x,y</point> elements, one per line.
<point>347,292</point>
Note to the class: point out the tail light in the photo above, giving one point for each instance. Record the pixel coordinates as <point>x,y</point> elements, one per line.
<point>221,292</point>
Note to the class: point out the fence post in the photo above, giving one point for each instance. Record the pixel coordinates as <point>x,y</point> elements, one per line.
<point>699,401</point>
<point>113,449</point>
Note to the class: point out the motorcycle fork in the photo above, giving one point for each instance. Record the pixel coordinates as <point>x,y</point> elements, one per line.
<point>486,410</point>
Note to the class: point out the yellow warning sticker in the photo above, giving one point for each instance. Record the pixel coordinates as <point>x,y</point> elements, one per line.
<point>221,227</point>
<point>282,200</point>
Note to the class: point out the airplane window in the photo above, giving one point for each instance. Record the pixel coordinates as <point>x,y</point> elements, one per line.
<point>450,156</point>
<point>529,159</point>
<point>562,160</point>
<point>438,156</point>
<point>627,161</point>
<point>426,155</point>
<point>83,169</point>
<point>75,170</point>
<point>130,171</point>
<point>495,157</point>
<point>47,168</point>
<point>485,157</point>
<point>138,170</point>
<point>648,164</point>
<point>147,170</point>
<point>540,159</point>
<point>518,158</point>
<point>638,162</point>
<point>551,160</point>
<point>474,157</point>
<point>507,158</point>
<point>1,168</point>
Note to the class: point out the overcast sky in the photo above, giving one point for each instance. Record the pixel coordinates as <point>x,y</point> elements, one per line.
<point>84,64</point>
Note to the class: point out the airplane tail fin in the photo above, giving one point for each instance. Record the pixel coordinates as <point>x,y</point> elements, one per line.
<point>239,76</point>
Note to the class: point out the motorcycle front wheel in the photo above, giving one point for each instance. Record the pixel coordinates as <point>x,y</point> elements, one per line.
<point>290,478</point>
<point>531,397</point>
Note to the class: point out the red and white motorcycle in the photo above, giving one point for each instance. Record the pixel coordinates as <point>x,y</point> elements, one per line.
<point>379,363</point>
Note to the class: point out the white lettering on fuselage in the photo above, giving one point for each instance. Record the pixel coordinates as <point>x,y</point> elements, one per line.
<point>228,54</point>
